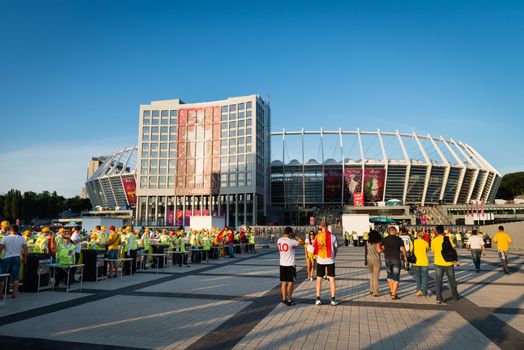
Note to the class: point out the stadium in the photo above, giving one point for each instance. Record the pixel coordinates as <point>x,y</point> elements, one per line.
<point>330,167</point>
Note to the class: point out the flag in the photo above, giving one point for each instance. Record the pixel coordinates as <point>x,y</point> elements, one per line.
<point>322,245</point>
<point>220,237</point>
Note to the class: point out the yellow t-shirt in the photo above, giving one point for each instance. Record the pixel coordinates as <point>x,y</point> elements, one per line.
<point>436,248</point>
<point>116,238</point>
<point>420,248</point>
<point>503,241</point>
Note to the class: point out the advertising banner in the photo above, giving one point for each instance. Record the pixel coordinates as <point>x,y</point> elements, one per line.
<point>312,220</point>
<point>358,199</point>
<point>332,185</point>
<point>374,184</point>
<point>129,184</point>
<point>352,182</point>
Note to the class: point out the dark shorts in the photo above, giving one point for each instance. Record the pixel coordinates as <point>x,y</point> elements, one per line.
<point>112,254</point>
<point>325,270</point>
<point>286,273</point>
<point>393,270</point>
<point>12,266</point>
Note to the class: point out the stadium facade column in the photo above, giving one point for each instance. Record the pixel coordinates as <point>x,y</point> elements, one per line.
<point>386,163</point>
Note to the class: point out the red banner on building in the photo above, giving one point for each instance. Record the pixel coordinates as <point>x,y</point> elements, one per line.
<point>129,184</point>
<point>358,199</point>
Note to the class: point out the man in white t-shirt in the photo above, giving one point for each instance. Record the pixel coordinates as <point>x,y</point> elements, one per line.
<point>476,244</point>
<point>13,247</point>
<point>286,245</point>
<point>404,235</point>
<point>325,249</point>
<point>76,239</point>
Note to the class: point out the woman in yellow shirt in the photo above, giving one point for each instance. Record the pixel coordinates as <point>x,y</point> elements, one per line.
<point>420,248</point>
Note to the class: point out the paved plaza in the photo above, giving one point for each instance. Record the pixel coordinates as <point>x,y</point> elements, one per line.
<point>235,304</point>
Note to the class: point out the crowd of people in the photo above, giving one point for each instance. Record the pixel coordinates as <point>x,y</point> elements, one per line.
<point>65,247</point>
<point>402,249</point>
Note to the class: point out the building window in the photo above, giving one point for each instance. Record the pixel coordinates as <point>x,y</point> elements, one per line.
<point>164,113</point>
<point>156,114</point>
<point>232,108</point>
<point>164,121</point>
<point>241,115</point>
<point>224,109</point>
<point>224,117</point>
<point>248,104</point>
<point>172,113</point>
<point>241,106</point>
<point>232,116</point>
<point>145,130</point>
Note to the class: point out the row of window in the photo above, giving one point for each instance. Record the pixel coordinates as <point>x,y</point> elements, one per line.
<point>240,107</point>
<point>233,116</point>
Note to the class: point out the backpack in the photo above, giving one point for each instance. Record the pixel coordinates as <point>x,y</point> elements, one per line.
<point>449,253</point>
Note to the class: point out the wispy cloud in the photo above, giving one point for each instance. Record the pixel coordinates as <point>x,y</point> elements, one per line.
<point>60,167</point>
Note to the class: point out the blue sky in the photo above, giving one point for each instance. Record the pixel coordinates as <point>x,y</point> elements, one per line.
<point>73,73</point>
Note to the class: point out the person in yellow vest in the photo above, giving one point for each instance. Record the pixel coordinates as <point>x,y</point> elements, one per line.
<point>4,229</point>
<point>130,249</point>
<point>41,241</point>
<point>28,236</point>
<point>251,241</point>
<point>503,240</point>
<point>181,248</point>
<point>206,245</point>
<point>59,237</point>
<point>65,256</point>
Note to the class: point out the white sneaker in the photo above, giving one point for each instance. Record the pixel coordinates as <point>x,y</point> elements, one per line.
<point>318,302</point>
<point>307,278</point>
<point>334,303</point>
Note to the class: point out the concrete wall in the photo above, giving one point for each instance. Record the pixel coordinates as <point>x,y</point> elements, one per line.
<point>514,229</point>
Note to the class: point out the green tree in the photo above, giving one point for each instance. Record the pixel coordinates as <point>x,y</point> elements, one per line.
<point>511,186</point>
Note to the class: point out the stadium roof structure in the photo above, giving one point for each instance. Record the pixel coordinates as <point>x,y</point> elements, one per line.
<point>106,186</point>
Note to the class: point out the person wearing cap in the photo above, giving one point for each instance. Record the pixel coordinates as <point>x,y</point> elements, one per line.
<point>41,241</point>
<point>12,246</point>
<point>65,256</point>
<point>113,246</point>
<point>130,250</point>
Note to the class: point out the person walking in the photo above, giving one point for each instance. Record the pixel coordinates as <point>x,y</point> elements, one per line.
<point>286,246</point>
<point>442,266</point>
<point>393,248</point>
<point>503,240</point>
<point>310,256</point>
<point>12,246</point>
<point>404,235</point>
<point>420,249</point>
<point>373,250</point>
<point>325,249</point>
<point>477,247</point>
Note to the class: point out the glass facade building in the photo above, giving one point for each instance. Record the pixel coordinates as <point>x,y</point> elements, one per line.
<point>208,158</point>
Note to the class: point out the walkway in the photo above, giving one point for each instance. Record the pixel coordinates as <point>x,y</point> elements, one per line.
<point>235,304</point>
